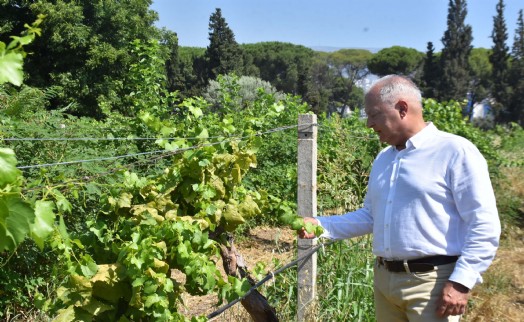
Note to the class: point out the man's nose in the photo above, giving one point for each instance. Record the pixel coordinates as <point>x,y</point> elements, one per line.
<point>369,122</point>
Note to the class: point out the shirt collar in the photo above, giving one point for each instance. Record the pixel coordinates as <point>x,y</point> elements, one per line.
<point>425,134</point>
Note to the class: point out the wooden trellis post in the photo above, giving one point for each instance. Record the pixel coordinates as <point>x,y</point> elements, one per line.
<point>307,207</point>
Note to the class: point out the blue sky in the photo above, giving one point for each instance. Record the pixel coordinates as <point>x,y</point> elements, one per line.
<point>371,24</point>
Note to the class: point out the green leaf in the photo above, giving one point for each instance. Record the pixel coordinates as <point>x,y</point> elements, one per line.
<point>88,266</point>
<point>204,134</point>
<point>11,68</point>
<point>62,203</point>
<point>16,217</point>
<point>44,222</point>
<point>62,229</point>
<point>152,299</point>
<point>196,111</point>
<point>8,171</point>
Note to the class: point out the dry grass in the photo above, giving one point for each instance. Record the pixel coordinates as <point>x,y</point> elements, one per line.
<point>501,297</point>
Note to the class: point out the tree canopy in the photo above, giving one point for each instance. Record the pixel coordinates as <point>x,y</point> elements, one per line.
<point>396,60</point>
<point>83,51</point>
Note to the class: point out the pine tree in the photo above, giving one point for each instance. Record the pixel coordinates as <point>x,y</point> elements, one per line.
<point>430,75</point>
<point>223,54</point>
<point>499,59</point>
<point>455,80</point>
<point>516,107</point>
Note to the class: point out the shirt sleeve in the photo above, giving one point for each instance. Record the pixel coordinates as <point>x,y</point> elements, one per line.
<point>475,202</point>
<point>351,224</point>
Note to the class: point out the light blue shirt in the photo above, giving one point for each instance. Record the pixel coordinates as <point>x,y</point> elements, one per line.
<point>432,198</point>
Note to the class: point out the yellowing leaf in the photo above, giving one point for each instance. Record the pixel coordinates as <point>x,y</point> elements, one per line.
<point>108,285</point>
<point>233,217</point>
<point>236,173</point>
<point>248,207</point>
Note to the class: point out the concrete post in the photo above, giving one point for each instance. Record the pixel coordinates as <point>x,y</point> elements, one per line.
<point>307,207</point>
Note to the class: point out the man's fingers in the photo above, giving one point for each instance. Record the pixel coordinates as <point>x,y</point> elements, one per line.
<point>441,311</point>
<point>447,310</point>
<point>302,233</point>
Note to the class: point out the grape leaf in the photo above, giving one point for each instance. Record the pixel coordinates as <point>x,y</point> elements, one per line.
<point>8,171</point>
<point>11,68</point>
<point>44,221</point>
<point>16,217</point>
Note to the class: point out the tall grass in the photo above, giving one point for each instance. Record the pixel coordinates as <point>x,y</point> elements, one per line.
<point>344,285</point>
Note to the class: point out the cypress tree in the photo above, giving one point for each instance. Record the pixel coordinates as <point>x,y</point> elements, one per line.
<point>455,79</point>
<point>431,73</point>
<point>516,107</point>
<point>223,54</point>
<point>499,59</point>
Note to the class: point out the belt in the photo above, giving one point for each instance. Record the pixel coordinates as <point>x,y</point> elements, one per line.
<point>419,265</point>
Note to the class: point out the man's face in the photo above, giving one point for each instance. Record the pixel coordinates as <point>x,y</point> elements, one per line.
<point>384,119</point>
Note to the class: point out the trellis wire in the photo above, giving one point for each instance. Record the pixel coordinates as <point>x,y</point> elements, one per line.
<point>268,277</point>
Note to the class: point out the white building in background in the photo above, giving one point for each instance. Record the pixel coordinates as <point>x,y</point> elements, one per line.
<point>366,82</point>
<point>482,110</point>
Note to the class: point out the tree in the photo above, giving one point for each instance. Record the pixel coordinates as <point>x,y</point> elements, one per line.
<point>286,66</point>
<point>499,58</point>
<point>455,78</point>
<point>84,49</point>
<point>223,55</point>
<point>320,84</point>
<point>430,73</point>
<point>349,67</point>
<point>396,60</point>
<point>481,73</point>
<point>516,106</point>
<point>188,72</point>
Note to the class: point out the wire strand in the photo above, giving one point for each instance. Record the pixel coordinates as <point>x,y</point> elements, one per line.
<point>13,139</point>
<point>268,277</point>
<point>228,139</point>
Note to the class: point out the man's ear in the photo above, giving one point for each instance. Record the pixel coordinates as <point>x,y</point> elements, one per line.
<point>402,108</point>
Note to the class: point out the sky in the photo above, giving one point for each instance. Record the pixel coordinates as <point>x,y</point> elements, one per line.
<point>368,24</point>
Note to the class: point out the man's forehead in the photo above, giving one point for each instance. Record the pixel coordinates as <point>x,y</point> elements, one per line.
<point>371,103</point>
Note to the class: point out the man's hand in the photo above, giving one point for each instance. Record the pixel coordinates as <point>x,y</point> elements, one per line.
<point>302,233</point>
<point>453,300</point>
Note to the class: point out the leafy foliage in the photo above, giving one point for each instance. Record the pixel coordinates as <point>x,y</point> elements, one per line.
<point>396,60</point>
<point>83,48</point>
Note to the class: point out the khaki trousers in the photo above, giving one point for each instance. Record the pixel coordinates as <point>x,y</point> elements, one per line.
<point>410,296</point>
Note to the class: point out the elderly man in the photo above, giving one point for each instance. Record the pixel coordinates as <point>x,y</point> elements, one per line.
<point>430,206</point>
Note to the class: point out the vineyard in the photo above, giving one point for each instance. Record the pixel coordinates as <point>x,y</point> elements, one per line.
<point>126,217</point>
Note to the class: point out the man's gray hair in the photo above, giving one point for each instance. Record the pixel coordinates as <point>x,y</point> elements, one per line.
<point>395,86</point>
